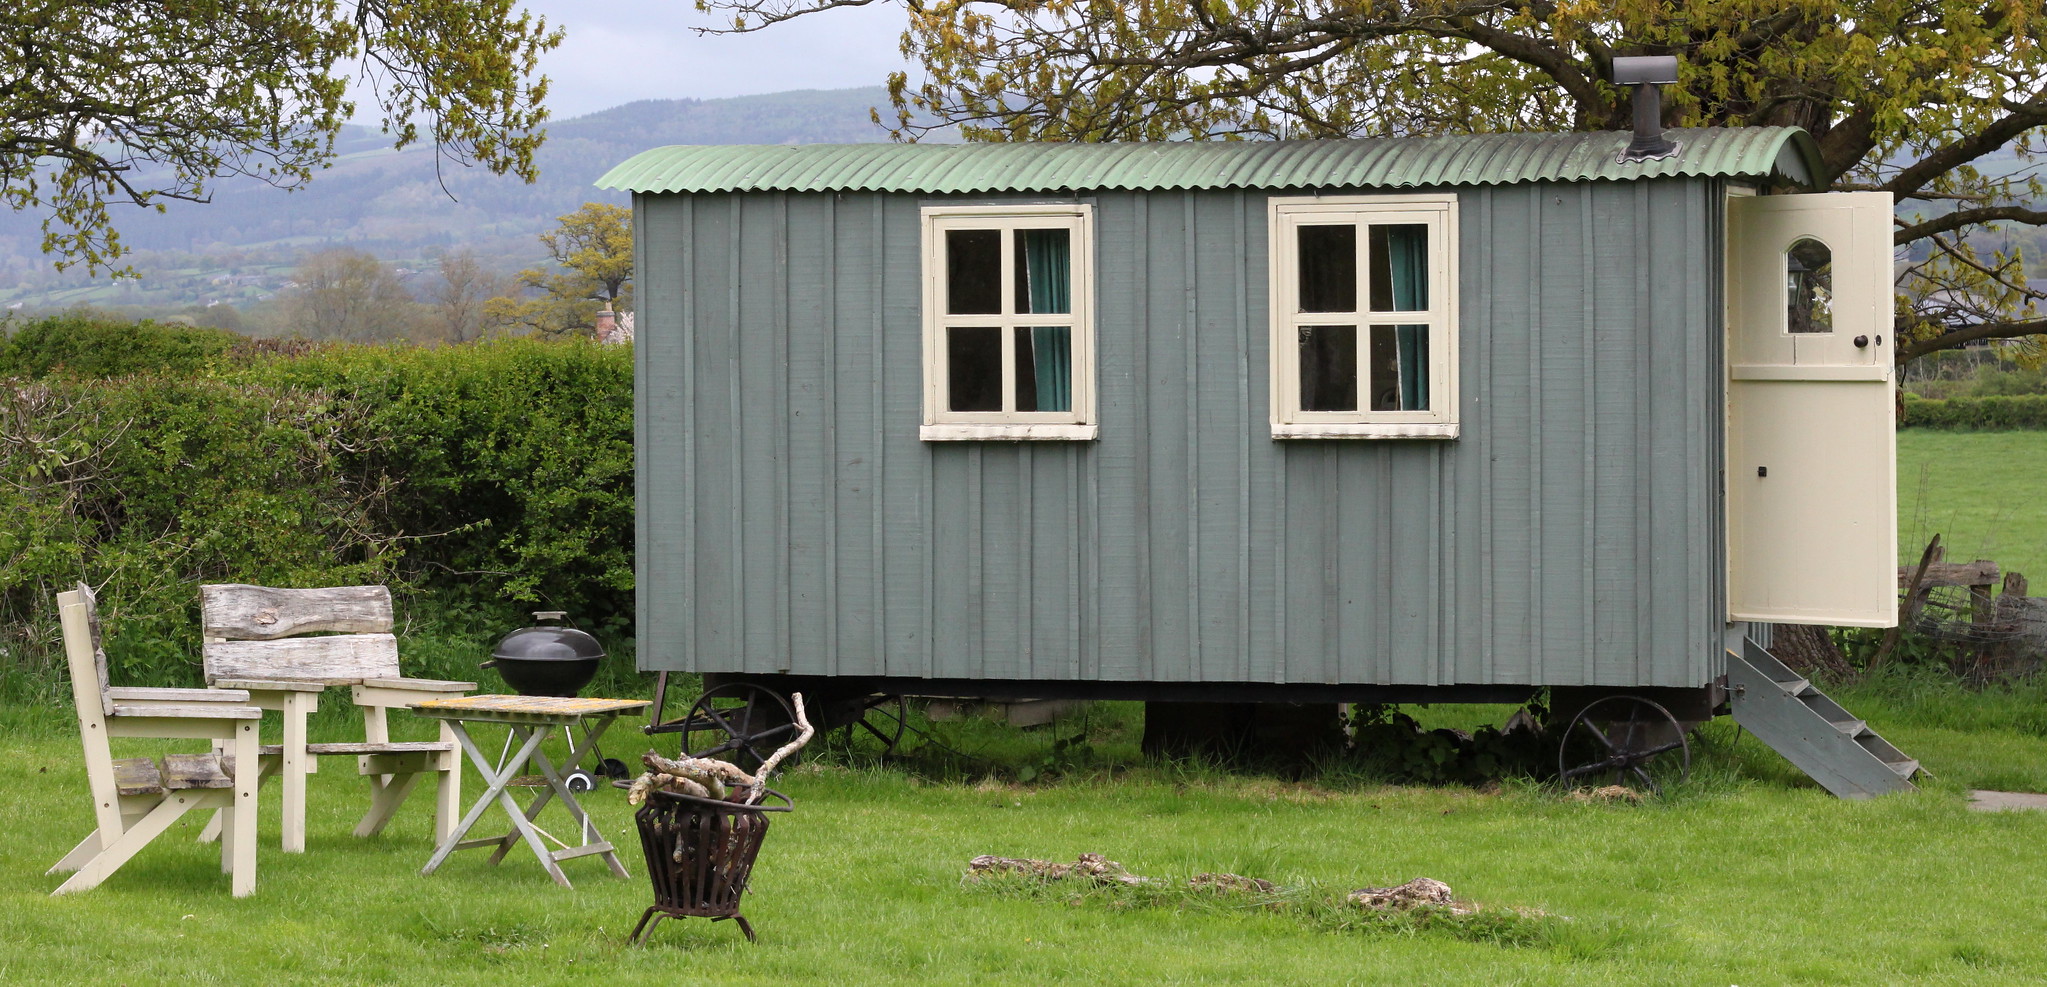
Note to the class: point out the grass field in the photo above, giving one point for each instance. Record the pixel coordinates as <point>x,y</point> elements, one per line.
<point>1985,493</point>
<point>1748,874</point>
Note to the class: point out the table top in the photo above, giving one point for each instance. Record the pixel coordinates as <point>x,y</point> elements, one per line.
<point>526,709</point>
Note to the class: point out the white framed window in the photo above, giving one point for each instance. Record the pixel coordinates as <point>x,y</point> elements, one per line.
<point>1364,317</point>
<point>1008,322</point>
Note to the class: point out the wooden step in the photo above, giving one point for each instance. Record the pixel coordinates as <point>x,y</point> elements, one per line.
<point>1798,720</point>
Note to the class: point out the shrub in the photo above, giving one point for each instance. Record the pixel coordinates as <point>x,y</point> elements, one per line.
<point>476,480</point>
<point>81,345</point>
<point>153,484</point>
<point>2024,411</point>
<point>509,466</point>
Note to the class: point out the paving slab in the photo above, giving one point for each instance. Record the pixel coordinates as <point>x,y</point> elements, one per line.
<point>1986,801</point>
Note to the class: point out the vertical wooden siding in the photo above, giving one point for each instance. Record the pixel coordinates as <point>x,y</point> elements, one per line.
<point>791,520</point>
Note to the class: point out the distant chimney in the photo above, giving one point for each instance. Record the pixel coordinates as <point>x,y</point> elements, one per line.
<point>1645,73</point>
<point>607,324</point>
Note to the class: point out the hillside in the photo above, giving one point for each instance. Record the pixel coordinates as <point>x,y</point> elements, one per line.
<point>239,247</point>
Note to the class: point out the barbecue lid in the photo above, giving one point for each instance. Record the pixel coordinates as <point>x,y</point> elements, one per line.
<point>548,642</point>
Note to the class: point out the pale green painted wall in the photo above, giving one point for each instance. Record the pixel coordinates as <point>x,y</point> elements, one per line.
<point>791,520</point>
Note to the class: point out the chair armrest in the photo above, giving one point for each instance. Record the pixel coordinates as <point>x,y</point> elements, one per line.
<point>209,712</point>
<point>420,685</point>
<point>271,685</point>
<point>125,694</point>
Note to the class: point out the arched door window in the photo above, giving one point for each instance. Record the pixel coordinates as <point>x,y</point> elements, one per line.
<point>1809,286</point>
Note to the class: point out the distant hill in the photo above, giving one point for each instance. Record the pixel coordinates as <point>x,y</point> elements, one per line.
<point>393,204</point>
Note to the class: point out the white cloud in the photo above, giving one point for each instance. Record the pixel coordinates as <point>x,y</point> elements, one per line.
<point>617,52</point>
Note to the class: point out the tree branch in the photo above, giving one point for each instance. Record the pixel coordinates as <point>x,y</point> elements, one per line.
<point>1967,217</point>
<point>1955,338</point>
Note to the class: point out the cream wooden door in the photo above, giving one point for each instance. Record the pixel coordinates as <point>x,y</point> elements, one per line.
<point>1811,453</point>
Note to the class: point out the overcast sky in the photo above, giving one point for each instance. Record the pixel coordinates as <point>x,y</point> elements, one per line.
<point>618,51</point>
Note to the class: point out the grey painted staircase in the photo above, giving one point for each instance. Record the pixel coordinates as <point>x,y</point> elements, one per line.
<point>1812,731</point>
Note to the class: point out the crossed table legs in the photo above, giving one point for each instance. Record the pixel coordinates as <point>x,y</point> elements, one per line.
<point>496,778</point>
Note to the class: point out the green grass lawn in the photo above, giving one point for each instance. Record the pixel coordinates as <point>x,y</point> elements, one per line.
<point>1985,493</point>
<point>1748,874</point>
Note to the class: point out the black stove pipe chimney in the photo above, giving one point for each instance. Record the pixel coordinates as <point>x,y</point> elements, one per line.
<point>1645,73</point>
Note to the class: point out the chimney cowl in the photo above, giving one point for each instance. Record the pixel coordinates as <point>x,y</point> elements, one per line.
<point>1646,73</point>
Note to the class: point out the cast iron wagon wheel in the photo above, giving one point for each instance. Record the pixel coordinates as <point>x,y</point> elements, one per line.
<point>1623,738</point>
<point>879,717</point>
<point>739,722</point>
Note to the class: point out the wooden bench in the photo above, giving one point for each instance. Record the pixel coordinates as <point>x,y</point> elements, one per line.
<point>134,799</point>
<point>284,647</point>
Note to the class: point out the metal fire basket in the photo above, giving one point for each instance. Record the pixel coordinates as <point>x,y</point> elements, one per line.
<point>700,853</point>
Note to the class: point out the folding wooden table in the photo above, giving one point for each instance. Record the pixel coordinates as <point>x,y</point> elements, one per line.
<point>531,719</point>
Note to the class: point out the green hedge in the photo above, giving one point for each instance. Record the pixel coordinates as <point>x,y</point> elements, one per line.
<point>479,481</point>
<point>2023,411</point>
<point>89,346</point>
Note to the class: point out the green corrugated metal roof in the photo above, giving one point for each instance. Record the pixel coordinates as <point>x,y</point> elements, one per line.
<point>1478,159</point>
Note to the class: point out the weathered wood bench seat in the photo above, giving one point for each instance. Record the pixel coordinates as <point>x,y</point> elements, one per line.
<point>286,646</point>
<point>397,747</point>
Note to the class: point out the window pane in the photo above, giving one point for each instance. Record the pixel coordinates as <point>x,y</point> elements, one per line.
<point>1809,287</point>
<point>973,272</point>
<point>1044,283</point>
<point>1044,368</point>
<point>1400,368</point>
<point>1329,268</point>
<point>1400,267</point>
<point>1329,368</point>
<point>973,360</point>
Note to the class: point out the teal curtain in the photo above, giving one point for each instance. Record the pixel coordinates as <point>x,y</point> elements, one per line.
<point>1408,249</point>
<point>1048,269</point>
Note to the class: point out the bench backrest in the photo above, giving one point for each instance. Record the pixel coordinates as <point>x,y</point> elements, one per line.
<point>250,633</point>
<point>78,612</point>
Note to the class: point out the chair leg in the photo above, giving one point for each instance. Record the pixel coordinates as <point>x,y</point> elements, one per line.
<point>447,788</point>
<point>149,827</point>
<point>86,849</point>
<point>225,819</point>
<point>294,770</point>
<point>248,778</point>
<point>211,831</point>
<point>385,797</point>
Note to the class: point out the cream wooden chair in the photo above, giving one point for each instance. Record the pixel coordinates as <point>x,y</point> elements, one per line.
<point>134,799</point>
<point>252,645</point>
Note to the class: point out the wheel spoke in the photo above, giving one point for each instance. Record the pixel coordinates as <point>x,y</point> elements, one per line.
<point>1633,736</point>
<point>1646,780</point>
<point>1593,729</point>
<point>1649,752</point>
<point>718,720</point>
<point>1630,728</point>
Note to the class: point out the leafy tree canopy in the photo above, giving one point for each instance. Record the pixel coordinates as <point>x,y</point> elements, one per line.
<point>593,253</point>
<point>348,294</point>
<point>150,101</point>
<point>1928,99</point>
